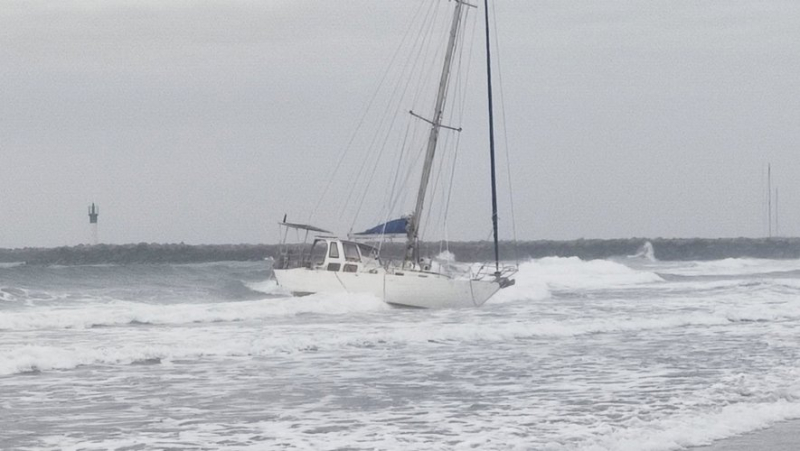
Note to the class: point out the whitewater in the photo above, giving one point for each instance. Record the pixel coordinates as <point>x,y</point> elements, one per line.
<point>620,354</point>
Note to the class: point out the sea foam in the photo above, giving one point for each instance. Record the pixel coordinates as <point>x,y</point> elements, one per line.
<point>733,267</point>
<point>572,273</point>
<point>577,356</point>
<point>117,313</point>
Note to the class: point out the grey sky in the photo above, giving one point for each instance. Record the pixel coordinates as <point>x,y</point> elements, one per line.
<point>205,122</point>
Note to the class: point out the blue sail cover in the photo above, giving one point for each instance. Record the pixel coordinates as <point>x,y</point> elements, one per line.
<point>395,226</point>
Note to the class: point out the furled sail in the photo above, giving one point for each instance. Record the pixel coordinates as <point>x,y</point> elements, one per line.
<point>395,226</point>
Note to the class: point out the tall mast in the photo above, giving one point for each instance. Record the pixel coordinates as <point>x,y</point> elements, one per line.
<point>436,123</point>
<point>491,139</point>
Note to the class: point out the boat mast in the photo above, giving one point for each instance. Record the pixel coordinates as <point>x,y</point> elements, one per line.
<point>412,250</point>
<point>491,139</point>
<point>777,222</point>
<point>769,200</point>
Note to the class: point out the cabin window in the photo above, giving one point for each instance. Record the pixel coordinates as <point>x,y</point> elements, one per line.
<point>351,252</point>
<point>368,251</point>
<point>334,266</point>
<point>334,253</point>
<point>318,252</point>
<point>349,267</point>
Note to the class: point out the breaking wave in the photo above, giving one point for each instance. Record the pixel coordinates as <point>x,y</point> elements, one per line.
<point>120,313</point>
<point>572,273</point>
<point>734,267</point>
<point>300,339</point>
<point>646,252</point>
<point>694,429</point>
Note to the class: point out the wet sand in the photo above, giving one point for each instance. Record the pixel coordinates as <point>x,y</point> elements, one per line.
<point>780,437</point>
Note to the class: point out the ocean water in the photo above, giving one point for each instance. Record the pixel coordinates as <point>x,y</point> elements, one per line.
<point>624,354</point>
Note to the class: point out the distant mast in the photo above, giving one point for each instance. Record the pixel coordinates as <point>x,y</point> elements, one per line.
<point>777,222</point>
<point>769,200</point>
<point>94,212</point>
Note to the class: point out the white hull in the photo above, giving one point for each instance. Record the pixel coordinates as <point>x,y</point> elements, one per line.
<point>408,288</point>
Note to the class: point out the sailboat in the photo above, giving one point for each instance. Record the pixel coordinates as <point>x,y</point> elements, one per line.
<point>336,265</point>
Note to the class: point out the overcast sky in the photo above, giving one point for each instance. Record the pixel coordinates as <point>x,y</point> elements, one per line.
<point>205,122</point>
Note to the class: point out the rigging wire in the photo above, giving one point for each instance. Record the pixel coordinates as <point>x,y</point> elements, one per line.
<point>411,170</point>
<point>363,116</point>
<point>459,92</point>
<point>446,144</point>
<point>390,108</point>
<point>393,107</point>
<point>428,72</point>
<point>388,208</point>
<point>396,111</point>
<point>462,107</point>
<point>390,203</point>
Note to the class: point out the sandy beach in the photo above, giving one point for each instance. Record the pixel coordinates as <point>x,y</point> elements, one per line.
<point>783,436</point>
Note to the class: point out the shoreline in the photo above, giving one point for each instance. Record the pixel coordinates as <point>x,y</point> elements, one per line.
<point>782,436</point>
<point>663,249</point>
